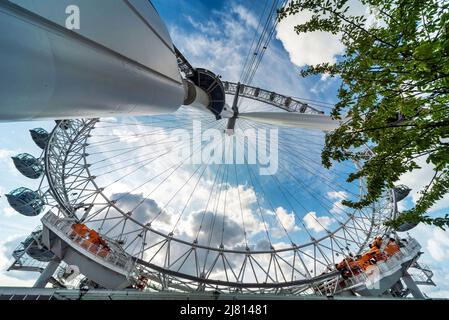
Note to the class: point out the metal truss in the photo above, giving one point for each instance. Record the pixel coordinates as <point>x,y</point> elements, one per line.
<point>169,262</point>
<point>421,274</point>
<point>22,261</point>
<point>272,98</point>
<point>246,91</point>
<point>184,65</point>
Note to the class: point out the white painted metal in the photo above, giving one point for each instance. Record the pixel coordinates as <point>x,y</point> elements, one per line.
<point>72,142</point>
<point>13,293</point>
<point>293,119</point>
<point>387,273</point>
<point>272,98</point>
<point>45,276</point>
<point>50,72</point>
<point>202,100</point>
<point>109,271</point>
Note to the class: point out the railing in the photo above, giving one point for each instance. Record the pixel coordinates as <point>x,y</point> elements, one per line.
<point>328,287</point>
<point>407,252</point>
<point>119,259</point>
<point>24,261</point>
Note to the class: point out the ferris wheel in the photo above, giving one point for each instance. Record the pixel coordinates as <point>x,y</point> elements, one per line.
<point>125,205</point>
<point>197,226</point>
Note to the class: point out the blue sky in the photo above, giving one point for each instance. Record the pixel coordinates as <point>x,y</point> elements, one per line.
<point>280,71</point>
<point>216,35</point>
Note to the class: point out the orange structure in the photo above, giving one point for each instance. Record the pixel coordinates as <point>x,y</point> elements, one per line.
<point>94,238</point>
<point>350,266</point>
<point>80,229</point>
<point>366,259</point>
<point>392,248</point>
<point>377,243</point>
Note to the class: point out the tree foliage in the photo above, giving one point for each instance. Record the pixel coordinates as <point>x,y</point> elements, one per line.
<point>394,89</point>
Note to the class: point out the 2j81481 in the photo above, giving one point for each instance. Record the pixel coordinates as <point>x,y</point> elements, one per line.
<point>254,309</point>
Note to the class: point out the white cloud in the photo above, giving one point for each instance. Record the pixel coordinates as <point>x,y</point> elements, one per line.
<point>321,87</point>
<point>286,220</point>
<point>225,52</point>
<point>314,47</point>
<point>238,211</point>
<point>437,249</point>
<point>217,229</point>
<point>402,206</point>
<point>205,51</point>
<point>13,278</point>
<point>315,223</point>
<point>8,281</point>
<point>6,161</point>
<point>339,196</point>
<point>325,76</point>
<point>310,48</point>
<point>244,14</point>
<point>418,179</point>
<point>9,212</point>
<point>435,244</point>
<point>5,154</point>
<point>224,55</point>
<point>209,27</point>
<point>240,199</point>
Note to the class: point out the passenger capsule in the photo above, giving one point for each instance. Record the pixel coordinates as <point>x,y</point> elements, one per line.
<point>35,249</point>
<point>28,165</point>
<point>406,226</point>
<point>401,192</point>
<point>40,137</point>
<point>25,201</point>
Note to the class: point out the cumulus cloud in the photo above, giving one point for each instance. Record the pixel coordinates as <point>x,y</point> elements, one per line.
<point>435,244</point>
<point>224,52</point>
<point>221,49</point>
<point>114,225</point>
<point>5,154</point>
<point>6,248</point>
<point>417,180</point>
<point>5,161</point>
<point>13,278</point>
<point>339,196</point>
<point>285,221</point>
<point>313,47</point>
<point>216,227</point>
<point>147,209</point>
<point>210,229</point>
<point>438,245</point>
<point>7,280</point>
<point>238,213</point>
<point>9,212</point>
<point>262,244</point>
<point>310,48</point>
<point>315,223</point>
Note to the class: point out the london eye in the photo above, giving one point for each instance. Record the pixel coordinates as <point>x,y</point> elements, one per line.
<point>124,205</point>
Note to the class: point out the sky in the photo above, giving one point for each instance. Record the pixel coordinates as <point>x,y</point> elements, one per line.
<point>216,35</point>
